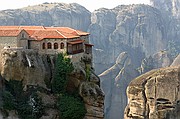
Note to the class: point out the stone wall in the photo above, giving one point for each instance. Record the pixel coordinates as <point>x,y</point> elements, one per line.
<point>22,40</point>
<point>8,41</point>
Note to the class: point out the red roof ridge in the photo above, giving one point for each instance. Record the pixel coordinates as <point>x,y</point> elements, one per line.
<point>42,31</point>
<point>61,34</point>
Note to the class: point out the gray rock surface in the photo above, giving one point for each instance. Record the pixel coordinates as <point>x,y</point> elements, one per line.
<point>125,28</point>
<point>48,14</point>
<point>158,60</point>
<point>171,6</point>
<point>114,82</point>
<point>176,61</point>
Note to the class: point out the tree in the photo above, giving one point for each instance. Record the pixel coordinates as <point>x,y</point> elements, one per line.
<point>63,67</point>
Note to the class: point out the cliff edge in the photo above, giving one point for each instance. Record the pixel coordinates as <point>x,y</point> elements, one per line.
<point>154,95</point>
<point>35,72</point>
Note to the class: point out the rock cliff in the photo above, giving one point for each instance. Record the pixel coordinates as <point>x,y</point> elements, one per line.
<point>157,60</point>
<point>36,72</point>
<point>139,30</point>
<point>48,14</point>
<point>176,61</point>
<point>126,28</point>
<point>20,65</point>
<point>154,95</point>
<point>114,82</point>
<point>170,6</point>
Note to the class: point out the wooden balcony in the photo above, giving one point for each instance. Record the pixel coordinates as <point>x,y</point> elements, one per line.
<point>75,52</point>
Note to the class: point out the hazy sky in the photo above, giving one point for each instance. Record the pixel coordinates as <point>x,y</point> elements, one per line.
<point>89,4</point>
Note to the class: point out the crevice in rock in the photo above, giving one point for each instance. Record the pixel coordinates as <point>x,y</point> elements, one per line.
<point>145,100</point>
<point>162,99</point>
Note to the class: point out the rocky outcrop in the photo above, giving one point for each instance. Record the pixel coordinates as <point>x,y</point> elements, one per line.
<point>94,100</point>
<point>89,90</point>
<point>154,95</point>
<point>170,6</point>
<point>114,82</point>
<point>138,28</point>
<point>158,60</point>
<point>18,64</point>
<point>36,72</point>
<point>176,61</point>
<point>48,14</point>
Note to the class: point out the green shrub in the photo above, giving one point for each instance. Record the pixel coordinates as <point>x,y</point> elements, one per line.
<point>88,72</point>
<point>31,107</point>
<point>71,107</point>
<point>27,104</point>
<point>8,101</point>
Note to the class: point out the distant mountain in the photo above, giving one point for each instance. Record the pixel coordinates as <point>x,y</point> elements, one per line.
<point>142,31</point>
<point>170,6</point>
<point>48,14</point>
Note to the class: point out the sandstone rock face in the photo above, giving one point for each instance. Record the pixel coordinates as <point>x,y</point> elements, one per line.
<point>176,61</point>
<point>154,95</point>
<point>89,90</point>
<point>114,82</point>
<point>48,14</point>
<point>94,100</point>
<point>35,70</point>
<point>26,66</point>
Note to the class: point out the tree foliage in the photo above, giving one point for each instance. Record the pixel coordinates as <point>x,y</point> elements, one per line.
<point>63,67</point>
<point>27,104</point>
<point>88,72</point>
<point>71,107</point>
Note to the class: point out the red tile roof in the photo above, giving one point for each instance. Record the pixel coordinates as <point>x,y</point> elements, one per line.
<point>76,41</point>
<point>41,32</point>
<point>69,30</point>
<point>9,32</point>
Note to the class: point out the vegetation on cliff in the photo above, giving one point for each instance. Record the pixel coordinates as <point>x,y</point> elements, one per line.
<point>71,105</point>
<point>27,104</point>
<point>63,67</point>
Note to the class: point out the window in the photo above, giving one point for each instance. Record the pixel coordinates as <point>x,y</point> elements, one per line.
<point>22,35</point>
<point>55,45</point>
<point>49,46</point>
<point>62,45</point>
<point>43,46</point>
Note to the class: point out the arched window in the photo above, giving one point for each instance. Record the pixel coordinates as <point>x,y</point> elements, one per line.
<point>43,46</point>
<point>62,45</point>
<point>49,46</point>
<point>55,45</point>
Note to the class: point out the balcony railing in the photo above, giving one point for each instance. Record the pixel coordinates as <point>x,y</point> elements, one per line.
<point>75,52</point>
